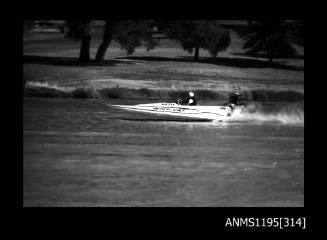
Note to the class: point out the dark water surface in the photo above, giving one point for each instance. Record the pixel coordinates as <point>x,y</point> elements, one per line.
<point>84,153</point>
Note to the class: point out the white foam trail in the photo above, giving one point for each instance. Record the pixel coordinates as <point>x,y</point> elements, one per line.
<point>46,85</point>
<point>263,117</point>
<point>286,116</point>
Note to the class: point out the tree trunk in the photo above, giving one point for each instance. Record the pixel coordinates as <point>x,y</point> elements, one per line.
<point>84,56</point>
<point>107,38</point>
<point>102,49</point>
<point>196,54</point>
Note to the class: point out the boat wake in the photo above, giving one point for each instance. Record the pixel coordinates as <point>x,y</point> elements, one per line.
<point>287,113</point>
<point>53,90</point>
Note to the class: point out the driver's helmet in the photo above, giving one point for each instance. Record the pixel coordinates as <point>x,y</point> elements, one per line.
<point>191,94</point>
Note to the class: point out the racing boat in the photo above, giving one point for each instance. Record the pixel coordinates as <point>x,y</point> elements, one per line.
<point>219,113</point>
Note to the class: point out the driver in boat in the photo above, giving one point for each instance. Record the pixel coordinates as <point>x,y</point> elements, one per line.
<point>235,99</point>
<point>191,100</point>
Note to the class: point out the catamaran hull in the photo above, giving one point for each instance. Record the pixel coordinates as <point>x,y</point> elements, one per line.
<point>219,113</point>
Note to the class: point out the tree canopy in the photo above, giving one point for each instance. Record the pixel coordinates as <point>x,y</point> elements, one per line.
<point>129,34</point>
<point>273,38</point>
<point>299,32</point>
<point>196,34</point>
<point>192,35</point>
<point>28,24</point>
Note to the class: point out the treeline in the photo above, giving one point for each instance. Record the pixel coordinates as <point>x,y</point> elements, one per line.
<point>272,38</point>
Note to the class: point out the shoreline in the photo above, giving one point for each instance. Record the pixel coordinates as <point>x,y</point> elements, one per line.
<point>259,95</point>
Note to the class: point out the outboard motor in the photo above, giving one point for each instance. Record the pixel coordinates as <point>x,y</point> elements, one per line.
<point>236,99</point>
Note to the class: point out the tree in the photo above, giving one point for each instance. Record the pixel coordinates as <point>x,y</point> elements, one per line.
<point>106,39</point>
<point>129,34</point>
<point>28,24</point>
<point>299,32</point>
<point>271,37</point>
<point>81,30</point>
<point>221,45</point>
<point>196,34</point>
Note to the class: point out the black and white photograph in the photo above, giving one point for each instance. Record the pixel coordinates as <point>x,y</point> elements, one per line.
<point>163,113</point>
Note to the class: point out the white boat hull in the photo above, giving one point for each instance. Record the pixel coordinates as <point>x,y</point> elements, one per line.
<point>219,113</point>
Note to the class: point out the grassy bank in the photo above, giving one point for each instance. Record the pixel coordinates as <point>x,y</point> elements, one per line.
<point>162,73</point>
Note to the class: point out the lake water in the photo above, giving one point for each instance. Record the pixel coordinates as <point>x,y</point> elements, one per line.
<point>83,153</point>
